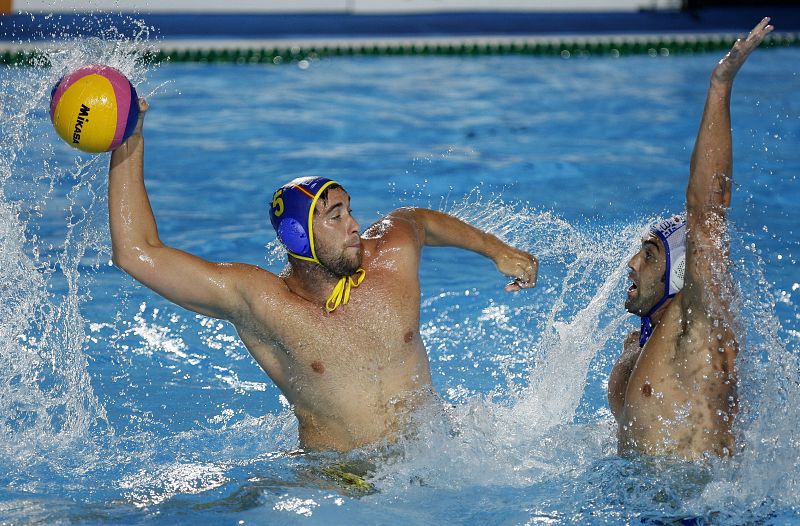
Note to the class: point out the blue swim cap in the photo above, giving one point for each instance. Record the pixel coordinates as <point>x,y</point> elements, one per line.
<point>292,212</point>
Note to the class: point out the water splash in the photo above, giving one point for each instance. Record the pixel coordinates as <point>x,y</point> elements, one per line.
<point>53,234</point>
<point>523,430</point>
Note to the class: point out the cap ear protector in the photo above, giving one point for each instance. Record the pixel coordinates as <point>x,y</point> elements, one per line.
<point>677,270</point>
<point>294,237</point>
<point>292,214</point>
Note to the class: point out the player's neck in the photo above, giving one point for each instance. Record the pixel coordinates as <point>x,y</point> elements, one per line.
<point>310,281</point>
<point>655,318</point>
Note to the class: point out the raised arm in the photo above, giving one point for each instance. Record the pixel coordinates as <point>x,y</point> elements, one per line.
<point>439,229</point>
<point>708,194</point>
<point>196,284</point>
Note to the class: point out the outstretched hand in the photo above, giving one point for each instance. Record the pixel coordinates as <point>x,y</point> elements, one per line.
<point>729,65</point>
<point>521,266</point>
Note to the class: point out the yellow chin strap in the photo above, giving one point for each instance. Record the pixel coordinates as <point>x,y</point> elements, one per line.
<point>341,292</point>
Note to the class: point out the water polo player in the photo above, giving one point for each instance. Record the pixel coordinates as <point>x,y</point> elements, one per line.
<point>673,389</point>
<point>338,330</point>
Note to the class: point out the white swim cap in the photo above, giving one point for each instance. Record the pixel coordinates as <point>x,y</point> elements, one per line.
<point>672,233</point>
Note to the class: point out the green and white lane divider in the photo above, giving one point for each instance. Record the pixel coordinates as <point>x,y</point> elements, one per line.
<point>294,51</point>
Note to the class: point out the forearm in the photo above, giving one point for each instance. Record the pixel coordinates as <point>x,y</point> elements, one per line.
<point>710,176</point>
<point>438,229</point>
<point>441,229</point>
<point>133,226</point>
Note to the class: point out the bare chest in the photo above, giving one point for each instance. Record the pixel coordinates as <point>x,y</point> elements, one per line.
<point>368,350</point>
<point>674,401</point>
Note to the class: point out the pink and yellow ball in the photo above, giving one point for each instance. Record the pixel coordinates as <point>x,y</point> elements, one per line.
<point>94,108</point>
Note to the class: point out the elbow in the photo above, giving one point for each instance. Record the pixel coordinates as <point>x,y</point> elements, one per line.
<point>694,200</point>
<point>132,260</point>
<point>123,260</point>
<point>705,212</point>
<point>119,259</point>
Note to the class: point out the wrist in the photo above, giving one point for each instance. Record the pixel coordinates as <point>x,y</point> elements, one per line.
<point>723,84</point>
<point>493,247</point>
<point>722,79</point>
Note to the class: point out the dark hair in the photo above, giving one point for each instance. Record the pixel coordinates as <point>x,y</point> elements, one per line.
<point>324,195</point>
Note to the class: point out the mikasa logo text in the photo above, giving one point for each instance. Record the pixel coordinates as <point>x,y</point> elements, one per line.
<point>83,116</point>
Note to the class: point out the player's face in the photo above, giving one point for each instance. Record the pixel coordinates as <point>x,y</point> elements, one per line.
<point>647,269</point>
<point>336,234</point>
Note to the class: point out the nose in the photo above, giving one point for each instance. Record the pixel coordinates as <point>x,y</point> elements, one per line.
<point>633,263</point>
<point>355,228</point>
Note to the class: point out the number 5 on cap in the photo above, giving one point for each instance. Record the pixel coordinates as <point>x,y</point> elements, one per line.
<point>277,203</point>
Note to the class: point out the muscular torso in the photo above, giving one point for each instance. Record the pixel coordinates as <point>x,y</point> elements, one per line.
<point>677,395</point>
<point>352,376</point>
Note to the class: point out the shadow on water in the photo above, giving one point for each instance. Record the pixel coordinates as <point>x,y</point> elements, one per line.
<point>96,382</point>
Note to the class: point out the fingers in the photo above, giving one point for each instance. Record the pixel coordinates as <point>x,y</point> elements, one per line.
<point>518,284</point>
<point>526,273</point>
<point>757,34</point>
<point>761,30</point>
<point>729,65</point>
<point>143,107</point>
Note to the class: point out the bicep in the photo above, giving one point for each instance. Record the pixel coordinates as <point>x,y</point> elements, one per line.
<point>707,282</point>
<point>211,289</point>
<point>434,228</point>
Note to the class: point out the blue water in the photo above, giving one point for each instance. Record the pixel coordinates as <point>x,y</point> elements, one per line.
<point>118,407</point>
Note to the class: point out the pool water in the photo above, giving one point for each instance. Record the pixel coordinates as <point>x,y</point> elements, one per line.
<point>118,407</point>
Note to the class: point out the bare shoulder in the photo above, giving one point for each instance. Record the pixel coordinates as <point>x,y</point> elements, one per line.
<point>707,311</point>
<point>394,243</point>
<point>631,341</point>
<point>397,228</point>
<point>630,354</point>
<point>621,373</point>
<point>255,285</point>
<point>244,272</point>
